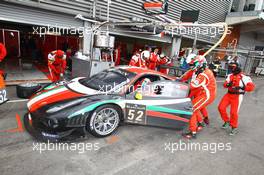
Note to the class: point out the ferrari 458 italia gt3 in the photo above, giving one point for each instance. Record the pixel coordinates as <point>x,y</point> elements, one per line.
<point>98,104</point>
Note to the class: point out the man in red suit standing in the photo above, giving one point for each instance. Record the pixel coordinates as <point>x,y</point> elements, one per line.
<point>153,60</point>
<point>117,55</point>
<point>237,84</point>
<point>3,53</point>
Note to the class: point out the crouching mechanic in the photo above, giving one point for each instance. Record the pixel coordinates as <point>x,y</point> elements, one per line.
<point>57,64</point>
<point>237,84</point>
<point>139,59</point>
<point>202,91</point>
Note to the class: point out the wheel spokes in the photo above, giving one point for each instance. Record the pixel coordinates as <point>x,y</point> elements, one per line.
<point>106,121</point>
<point>99,125</point>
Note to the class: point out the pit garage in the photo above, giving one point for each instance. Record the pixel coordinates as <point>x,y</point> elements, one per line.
<point>29,41</point>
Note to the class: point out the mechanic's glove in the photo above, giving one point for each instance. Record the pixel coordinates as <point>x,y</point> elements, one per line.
<point>229,84</point>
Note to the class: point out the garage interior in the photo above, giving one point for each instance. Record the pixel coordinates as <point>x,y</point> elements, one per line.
<point>27,52</point>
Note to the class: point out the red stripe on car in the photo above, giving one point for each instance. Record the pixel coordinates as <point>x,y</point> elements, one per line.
<point>167,116</point>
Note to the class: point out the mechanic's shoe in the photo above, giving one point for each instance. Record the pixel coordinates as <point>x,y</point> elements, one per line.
<point>233,131</point>
<point>225,125</point>
<point>200,126</point>
<point>189,135</point>
<point>206,120</point>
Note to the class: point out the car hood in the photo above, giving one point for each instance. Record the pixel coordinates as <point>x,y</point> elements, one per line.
<point>57,93</point>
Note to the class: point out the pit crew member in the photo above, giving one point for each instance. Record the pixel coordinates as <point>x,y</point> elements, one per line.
<point>237,84</point>
<point>203,91</point>
<point>57,64</point>
<point>117,55</point>
<point>153,60</point>
<point>164,60</point>
<point>139,59</point>
<point>191,75</point>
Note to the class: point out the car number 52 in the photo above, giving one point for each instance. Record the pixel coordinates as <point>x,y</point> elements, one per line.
<point>135,113</point>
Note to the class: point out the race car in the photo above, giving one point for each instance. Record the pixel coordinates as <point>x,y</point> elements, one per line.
<point>100,103</point>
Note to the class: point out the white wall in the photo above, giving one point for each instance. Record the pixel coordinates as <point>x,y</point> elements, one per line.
<point>249,41</point>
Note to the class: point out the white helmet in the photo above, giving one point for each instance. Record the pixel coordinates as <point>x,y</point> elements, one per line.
<point>190,58</point>
<point>196,61</point>
<point>145,54</point>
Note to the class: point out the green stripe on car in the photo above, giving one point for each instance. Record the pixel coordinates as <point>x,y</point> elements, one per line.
<point>153,108</point>
<point>168,110</point>
<point>92,107</point>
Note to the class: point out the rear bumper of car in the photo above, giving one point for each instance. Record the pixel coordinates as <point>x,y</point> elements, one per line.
<point>45,134</point>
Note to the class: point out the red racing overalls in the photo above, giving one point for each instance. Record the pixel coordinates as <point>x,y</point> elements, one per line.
<point>153,60</point>
<point>2,52</point>
<point>117,56</point>
<point>56,65</point>
<point>3,97</point>
<point>2,56</point>
<point>237,86</point>
<point>164,61</point>
<point>202,91</point>
<point>137,61</point>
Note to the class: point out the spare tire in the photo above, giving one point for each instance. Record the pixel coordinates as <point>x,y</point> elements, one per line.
<point>26,90</point>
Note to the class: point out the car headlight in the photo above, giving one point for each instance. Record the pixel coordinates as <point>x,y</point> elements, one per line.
<point>63,106</point>
<point>53,123</point>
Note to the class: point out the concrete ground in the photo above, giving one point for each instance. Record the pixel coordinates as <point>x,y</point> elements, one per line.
<point>141,150</point>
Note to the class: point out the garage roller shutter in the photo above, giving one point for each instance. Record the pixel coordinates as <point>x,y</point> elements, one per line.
<point>36,16</point>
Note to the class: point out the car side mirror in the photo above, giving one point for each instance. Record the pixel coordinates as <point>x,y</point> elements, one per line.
<point>138,96</point>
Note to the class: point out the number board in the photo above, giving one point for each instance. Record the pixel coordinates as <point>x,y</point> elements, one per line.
<point>135,114</point>
<point>3,96</point>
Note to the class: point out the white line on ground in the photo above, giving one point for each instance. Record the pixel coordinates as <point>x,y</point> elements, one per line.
<point>16,101</point>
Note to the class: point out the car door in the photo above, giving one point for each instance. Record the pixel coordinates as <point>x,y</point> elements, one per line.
<point>163,103</point>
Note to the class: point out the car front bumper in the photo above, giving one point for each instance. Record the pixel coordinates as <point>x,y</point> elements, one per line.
<point>44,133</point>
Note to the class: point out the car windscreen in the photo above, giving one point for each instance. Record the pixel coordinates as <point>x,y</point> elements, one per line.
<point>106,80</point>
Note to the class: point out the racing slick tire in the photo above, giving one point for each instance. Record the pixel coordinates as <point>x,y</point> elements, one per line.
<point>104,120</point>
<point>26,90</point>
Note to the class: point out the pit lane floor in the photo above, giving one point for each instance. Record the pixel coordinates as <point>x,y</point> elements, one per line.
<point>140,150</point>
